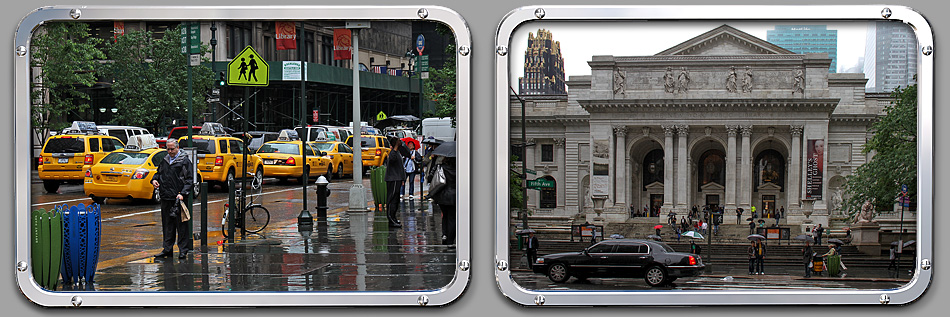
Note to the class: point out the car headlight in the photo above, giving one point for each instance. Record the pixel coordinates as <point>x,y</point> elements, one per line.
<point>539,261</point>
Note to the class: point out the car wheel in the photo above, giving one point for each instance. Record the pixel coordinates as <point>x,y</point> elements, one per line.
<point>655,276</point>
<point>339,171</point>
<point>51,186</point>
<point>558,273</point>
<point>98,200</point>
<point>329,174</point>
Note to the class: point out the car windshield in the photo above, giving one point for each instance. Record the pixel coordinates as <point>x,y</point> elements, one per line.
<point>204,146</point>
<point>64,145</point>
<point>666,247</point>
<point>256,142</point>
<point>125,158</point>
<point>324,146</point>
<point>281,148</point>
<point>367,142</point>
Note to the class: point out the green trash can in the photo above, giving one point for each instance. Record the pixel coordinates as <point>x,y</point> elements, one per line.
<point>377,180</point>
<point>46,246</point>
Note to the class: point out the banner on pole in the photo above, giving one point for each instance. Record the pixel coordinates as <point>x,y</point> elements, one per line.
<point>814,169</point>
<point>286,35</point>
<point>118,29</point>
<point>342,44</point>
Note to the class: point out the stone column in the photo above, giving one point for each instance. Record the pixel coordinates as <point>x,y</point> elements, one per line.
<point>682,170</point>
<point>745,171</point>
<point>620,134</point>
<point>731,169</point>
<point>533,196</point>
<point>794,197</point>
<point>560,158</point>
<point>668,168</point>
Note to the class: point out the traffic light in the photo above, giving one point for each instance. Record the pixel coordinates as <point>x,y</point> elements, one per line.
<point>222,79</point>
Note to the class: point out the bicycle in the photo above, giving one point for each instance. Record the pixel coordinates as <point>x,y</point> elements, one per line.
<point>255,216</point>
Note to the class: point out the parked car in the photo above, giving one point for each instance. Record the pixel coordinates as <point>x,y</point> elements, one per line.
<point>65,157</point>
<point>221,157</point>
<point>375,149</point>
<point>656,262</point>
<point>126,173</point>
<point>340,154</point>
<point>283,159</point>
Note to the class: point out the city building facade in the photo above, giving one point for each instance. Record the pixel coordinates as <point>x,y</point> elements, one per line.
<point>543,66</point>
<point>890,56</point>
<point>724,119</point>
<point>804,39</point>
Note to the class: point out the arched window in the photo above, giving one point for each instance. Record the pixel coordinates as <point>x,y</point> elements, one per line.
<point>712,168</point>
<point>769,168</point>
<point>652,168</point>
<point>549,195</point>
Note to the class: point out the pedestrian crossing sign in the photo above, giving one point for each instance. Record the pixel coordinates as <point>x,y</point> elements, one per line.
<point>380,116</point>
<point>248,69</point>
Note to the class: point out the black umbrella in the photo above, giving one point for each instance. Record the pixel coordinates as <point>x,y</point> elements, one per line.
<point>393,120</point>
<point>446,149</point>
<point>836,241</point>
<point>906,243</point>
<point>654,237</point>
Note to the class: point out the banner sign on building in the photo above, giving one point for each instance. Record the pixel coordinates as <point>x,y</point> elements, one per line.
<point>342,44</point>
<point>118,29</point>
<point>286,35</point>
<point>814,169</point>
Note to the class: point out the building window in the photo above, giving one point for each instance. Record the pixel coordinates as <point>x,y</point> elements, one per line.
<point>239,37</point>
<point>549,195</point>
<point>547,152</point>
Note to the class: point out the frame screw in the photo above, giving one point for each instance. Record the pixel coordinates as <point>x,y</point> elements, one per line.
<point>502,265</point>
<point>75,13</point>
<point>76,300</point>
<point>502,50</point>
<point>539,13</point>
<point>423,300</point>
<point>464,50</point>
<point>927,50</point>
<point>925,264</point>
<point>464,265</point>
<point>539,300</point>
<point>886,13</point>
<point>21,51</point>
<point>423,13</point>
<point>22,266</point>
<point>885,299</point>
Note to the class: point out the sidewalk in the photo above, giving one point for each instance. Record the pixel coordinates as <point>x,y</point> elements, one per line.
<point>349,252</point>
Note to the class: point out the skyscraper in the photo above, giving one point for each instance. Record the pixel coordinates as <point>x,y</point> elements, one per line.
<point>803,39</point>
<point>890,56</point>
<point>543,66</point>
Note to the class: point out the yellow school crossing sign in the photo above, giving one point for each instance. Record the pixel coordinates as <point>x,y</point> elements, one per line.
<point>380,116</point>
<point>248,69</point>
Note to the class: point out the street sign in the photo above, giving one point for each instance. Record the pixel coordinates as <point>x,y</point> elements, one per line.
<point>530,171</point>
<point>316,116</point>
<point>190,37</point>
<point>540,184</point>
<point>424,75</point>
<point>214,99</point>
<point>380,116</point>
<point>420,43</point>
<point>424,63</point>
<point>248,69</point>
<point>904,189</point>
<point>194,60</point>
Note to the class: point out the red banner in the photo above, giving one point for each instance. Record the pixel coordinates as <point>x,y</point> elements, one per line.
<point>286,36</point>
<point>342,44</point>
<point>118,29</point>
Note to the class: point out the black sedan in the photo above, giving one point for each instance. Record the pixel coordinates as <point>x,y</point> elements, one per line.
<point>655,261</point>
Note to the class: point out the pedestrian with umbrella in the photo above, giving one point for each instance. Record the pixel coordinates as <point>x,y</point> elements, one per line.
<point>413,165</point>
<point>395,178</point>
<point>758,252</point>
<point>657,228</point>
<point>694,248</point>
<point>442,178</point>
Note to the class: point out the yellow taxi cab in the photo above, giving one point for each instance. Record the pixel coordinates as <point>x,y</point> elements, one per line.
<point>65,157</point>
<point>375,149</point>
<point>283,159</point>
<point>340,155</point>
<point>126,173</point>
<point>220,157</point>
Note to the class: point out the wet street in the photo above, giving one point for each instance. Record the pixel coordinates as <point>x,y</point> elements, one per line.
<point>349,252</point>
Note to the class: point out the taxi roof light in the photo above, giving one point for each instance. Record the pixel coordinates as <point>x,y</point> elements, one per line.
<point>82,127</point>
<point>288,135</point>
<point>141,142</point>
<point>212,128</point>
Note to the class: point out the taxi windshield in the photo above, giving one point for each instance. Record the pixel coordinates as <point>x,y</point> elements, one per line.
<point>324,146</point>
<point>124,158</point>
<point>280,148</point>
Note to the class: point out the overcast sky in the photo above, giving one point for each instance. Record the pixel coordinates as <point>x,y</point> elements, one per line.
<point>581,40</point>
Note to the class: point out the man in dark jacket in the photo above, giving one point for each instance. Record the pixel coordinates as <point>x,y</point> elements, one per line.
<point>807,255</point>
<point>174,181</point>
<point>532,249</point>
<point>395,178</point>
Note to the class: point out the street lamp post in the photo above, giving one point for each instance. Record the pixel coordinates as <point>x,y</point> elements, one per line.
<point>524,164</point>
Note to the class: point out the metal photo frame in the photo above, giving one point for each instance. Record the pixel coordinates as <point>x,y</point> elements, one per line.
<point>908,293</point>
<point>437,297</point>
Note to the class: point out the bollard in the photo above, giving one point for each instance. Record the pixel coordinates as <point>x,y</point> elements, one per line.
<point>231,211</point>
<point>322,193</point>
<point>204,215</point>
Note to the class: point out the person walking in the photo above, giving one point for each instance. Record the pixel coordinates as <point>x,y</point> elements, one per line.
<point>807,255</point>
<point>395,177</point>
<point>444,197</point>
<point>752,258</point>
<point>173,181</point>
<point>751,226</point>
<point>738,216</point>
<point>532,249</point>
<point>760,257</point>
<point>412,167</point>
<point>694,248</point>
<point>754,215</point>
<point>816,233</point>
<point>894,257</point>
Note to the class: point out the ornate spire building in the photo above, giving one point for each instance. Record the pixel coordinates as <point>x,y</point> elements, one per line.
<point>543,66</point>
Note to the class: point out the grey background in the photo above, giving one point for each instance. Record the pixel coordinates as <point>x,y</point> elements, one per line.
<point>482,296</point>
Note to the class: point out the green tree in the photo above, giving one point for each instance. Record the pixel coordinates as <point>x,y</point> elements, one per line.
<point>64,58</point>
<point>440,87</point>
<point>894,162</point>
<point>151,79</point>
<point>515,191</point>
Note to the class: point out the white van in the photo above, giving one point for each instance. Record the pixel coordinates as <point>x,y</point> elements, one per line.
<point>123,132</point>
<point>438,128</point>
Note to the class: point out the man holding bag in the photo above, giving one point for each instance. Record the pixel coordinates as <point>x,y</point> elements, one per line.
<point>442,186</point>
<point>173,180</point>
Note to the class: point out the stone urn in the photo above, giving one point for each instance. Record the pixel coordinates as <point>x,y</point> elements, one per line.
<point>807,213</point>
<point>599,201</point>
